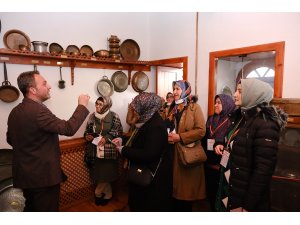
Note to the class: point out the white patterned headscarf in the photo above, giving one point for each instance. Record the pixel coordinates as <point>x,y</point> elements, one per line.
<point>107,103</point>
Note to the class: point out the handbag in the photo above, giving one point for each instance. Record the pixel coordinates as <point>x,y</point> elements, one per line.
<point>141,175</point>
<point>192,154</point>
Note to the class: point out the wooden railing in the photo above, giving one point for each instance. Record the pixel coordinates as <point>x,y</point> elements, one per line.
<point>78,186</point>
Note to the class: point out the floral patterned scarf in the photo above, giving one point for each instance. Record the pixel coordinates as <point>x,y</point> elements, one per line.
<point>184,98</point>
<point>146,104</point>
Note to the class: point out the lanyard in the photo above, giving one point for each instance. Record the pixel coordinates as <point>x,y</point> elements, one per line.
<point>212,132</point>
<point>234,132</point>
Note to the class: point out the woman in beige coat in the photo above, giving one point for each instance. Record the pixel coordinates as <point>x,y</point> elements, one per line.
<point>186,125</point>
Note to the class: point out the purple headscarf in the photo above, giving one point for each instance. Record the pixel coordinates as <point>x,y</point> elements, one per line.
<point>146,104</point>
<point>227,103</point>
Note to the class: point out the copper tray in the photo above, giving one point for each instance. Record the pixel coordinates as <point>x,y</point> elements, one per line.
<point>73,50</point>
<point>140,81</point>
<point>120,81</point>
<point>86,50</point>
<point>55,48</point>
<point>13,38</point>
<point>130,50</point>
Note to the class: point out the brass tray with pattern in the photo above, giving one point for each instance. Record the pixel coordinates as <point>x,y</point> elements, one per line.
<point>13,38</point>
<point>55,48</point>
<point>120,81</point>
<point>140,81</point>
<point>86,50</point>
<point>72,50</point>
<point>130,50</point>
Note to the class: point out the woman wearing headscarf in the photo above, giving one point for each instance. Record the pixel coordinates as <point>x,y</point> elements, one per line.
<point>250,152</point>
<point>216,129</point>
<point>148,146</point>
<point>167,104</point>
<point>186,125</point>
<point>103,125</point>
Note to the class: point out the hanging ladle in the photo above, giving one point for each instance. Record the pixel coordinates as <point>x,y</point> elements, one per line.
<point>61,82</point>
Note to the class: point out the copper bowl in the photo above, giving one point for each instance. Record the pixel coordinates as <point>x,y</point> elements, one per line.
<point>102,53</point>
<point>24,48</point>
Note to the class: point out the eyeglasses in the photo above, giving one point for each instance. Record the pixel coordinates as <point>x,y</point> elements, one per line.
<point>98,104</point>
<point>170,96</point>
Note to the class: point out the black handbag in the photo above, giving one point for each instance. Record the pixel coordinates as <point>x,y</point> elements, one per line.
<point>141,175</point>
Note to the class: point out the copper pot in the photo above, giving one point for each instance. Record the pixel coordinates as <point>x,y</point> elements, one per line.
<point>113,39</point>
<point>39,46</point>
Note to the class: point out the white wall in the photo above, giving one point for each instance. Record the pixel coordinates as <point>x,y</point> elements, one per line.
<point>174,35</point>
<point>79,29</point>
<point>220,31</point>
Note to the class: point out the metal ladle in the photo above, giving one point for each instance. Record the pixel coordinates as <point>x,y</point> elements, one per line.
<point>61,82</point>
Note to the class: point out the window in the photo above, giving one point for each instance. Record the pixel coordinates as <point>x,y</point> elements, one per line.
<point>261,72</point>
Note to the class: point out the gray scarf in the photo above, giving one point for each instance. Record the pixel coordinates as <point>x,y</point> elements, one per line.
<point>255,92</point>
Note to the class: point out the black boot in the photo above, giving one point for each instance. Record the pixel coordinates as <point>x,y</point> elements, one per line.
<point>99,200</point>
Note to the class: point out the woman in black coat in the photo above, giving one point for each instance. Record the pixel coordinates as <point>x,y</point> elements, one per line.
<point>147,146</point>
<point>250,153</point>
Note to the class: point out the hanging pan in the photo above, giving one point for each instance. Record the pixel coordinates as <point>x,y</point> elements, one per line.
<point>8,93</point>
<point>140,81</point>
<point>61,82</point>
<point>120,81</point>
<point>105,87</point>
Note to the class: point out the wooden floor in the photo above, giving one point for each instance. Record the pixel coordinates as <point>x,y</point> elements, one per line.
<point>119,204</point>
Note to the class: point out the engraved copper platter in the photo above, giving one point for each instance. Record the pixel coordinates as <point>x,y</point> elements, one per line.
<point>120,81</point>
<point>130,50</point>
<point>13,38</point>
<point>140,81</point>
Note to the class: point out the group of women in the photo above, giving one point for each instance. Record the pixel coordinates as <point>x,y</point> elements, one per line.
<point>240,141</point>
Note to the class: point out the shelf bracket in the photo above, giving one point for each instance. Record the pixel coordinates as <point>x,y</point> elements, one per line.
<point>72,71</point>
<point>129,74</point>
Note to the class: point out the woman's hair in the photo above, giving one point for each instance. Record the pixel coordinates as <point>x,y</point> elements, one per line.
<point>169,93</point>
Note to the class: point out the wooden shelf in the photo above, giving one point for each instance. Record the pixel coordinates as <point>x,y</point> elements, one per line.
<point>46,59</point>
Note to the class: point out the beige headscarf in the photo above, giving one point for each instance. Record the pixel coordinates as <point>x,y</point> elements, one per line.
<point>255,92</point>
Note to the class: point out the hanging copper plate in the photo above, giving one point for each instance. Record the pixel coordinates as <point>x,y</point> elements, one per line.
<point>105,87</point>
<point>120,81</point>
<point>130,50</point>
<point>140,81</point>
<point>13,38</point>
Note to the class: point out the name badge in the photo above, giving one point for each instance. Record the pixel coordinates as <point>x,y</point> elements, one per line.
<point>210,144</point>
<point>225,158</point>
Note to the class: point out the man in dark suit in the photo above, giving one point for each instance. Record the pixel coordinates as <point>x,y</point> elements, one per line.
<point>33,133</point>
